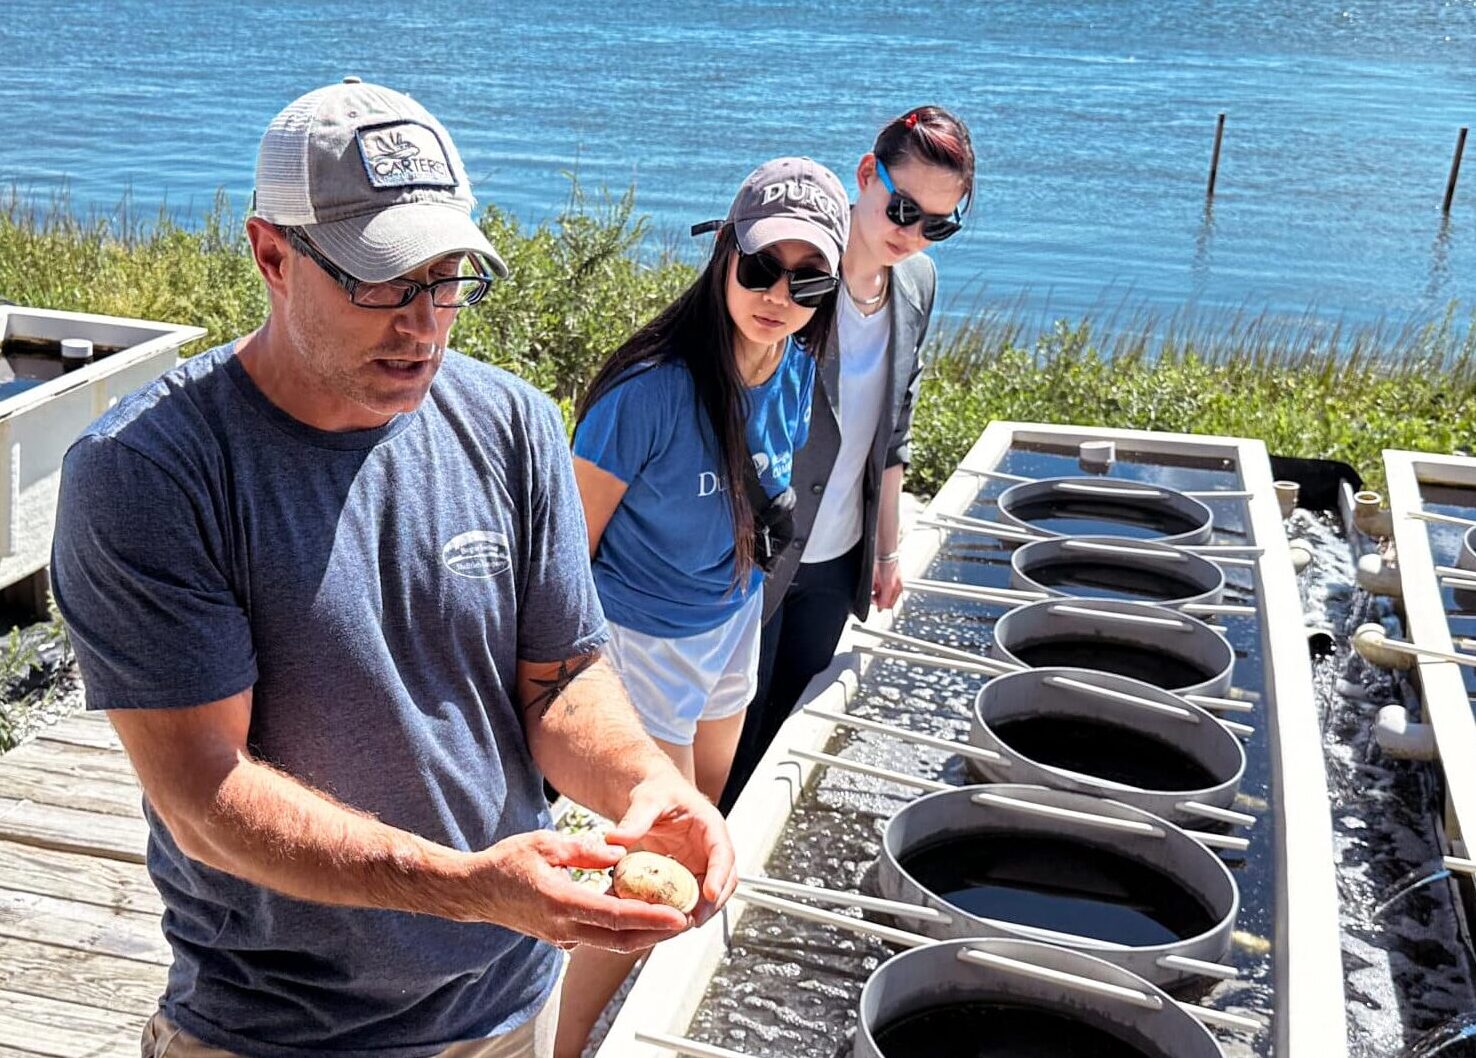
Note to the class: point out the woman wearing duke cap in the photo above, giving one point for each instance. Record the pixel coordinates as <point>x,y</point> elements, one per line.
<point>683,455</point>
<point>915,185</point>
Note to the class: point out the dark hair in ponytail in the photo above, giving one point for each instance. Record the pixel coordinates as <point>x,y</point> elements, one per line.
<point>931,135</point>
<point>696,330</point>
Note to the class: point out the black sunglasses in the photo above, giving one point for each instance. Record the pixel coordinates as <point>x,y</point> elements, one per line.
<point>452,292</point>
<point>904,212</point>
<point>807,286</point>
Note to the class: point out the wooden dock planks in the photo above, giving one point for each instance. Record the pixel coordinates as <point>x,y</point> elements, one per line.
<point>82,958</point>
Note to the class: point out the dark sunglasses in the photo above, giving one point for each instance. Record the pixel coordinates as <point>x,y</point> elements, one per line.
<point>904,212</point>
<point>807,286</point>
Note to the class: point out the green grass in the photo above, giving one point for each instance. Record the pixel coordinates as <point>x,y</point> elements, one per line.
<point>32,662</point>
<point>580,282</point>
<point>1306,388</point>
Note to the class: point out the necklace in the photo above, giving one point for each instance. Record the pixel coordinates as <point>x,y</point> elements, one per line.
<point>763,368</point>
<point>867,303</point>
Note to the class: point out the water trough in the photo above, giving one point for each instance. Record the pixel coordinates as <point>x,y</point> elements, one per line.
<point>1095,732</point>
<point>1103,567</point>
<point>1079,871</point>
<point>58,372</point>
<point>1432,503</point>
<point>1062,506</point>
<point>1019,999</point>
<point>1151,643</point>
<point>703,993</point>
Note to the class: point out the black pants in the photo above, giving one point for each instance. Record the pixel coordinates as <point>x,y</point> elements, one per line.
<point>799,641</point>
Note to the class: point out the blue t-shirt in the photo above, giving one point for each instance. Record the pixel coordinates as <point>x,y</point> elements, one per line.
<point>376,589</point>
<point>665,563</point>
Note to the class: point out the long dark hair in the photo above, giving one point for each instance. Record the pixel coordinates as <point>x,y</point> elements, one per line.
<point>933,136</point>
<point>696,330</point>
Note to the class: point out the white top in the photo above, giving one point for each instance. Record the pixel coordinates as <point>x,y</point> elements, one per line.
<point>863,388</point>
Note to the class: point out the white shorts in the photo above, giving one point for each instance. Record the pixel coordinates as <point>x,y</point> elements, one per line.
<point>674,683</point>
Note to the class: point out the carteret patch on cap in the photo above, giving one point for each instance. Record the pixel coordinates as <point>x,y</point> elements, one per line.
<point>401,154</point>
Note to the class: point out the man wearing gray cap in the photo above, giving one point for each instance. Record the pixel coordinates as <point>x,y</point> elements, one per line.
<point>330,582</point>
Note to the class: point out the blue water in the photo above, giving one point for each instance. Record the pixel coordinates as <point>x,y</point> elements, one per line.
<point>1094,122</point>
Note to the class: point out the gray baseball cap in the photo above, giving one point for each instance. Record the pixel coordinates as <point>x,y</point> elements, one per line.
<point>790,198</point>
<point>373,177</point>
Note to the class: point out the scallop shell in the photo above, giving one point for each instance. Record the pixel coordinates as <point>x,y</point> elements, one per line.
<point>656,879</point>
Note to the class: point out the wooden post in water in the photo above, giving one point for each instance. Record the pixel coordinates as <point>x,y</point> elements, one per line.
<point>1215,158</point>
<point>1455,169</point>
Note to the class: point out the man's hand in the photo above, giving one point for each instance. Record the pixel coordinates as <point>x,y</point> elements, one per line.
<point>668,815</point>
<point>523,883</point>
<point>886,583</point>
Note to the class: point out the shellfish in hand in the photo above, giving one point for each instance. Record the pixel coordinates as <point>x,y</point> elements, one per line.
<point>656,879</point>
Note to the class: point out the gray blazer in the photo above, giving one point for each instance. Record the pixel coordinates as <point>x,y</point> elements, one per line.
<point>914,282</point>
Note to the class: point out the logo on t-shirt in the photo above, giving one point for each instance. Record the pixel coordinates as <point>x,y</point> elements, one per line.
<point>479,553</point>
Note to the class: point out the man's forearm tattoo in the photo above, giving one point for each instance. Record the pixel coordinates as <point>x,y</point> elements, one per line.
<point>550,687</point>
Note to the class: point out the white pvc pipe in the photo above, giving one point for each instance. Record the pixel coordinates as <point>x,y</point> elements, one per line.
<point>983,667</point>
<point>926,646</point>
<point>1370,517</point>
<point>1460,865</point>
<point>1110,490</point>
<point>895,908</point>
<point>1017,596</point>
<point>1094,691</point>
<point>907,939</point>
<point>1220,1019</point>
<point>1071,815</point>
<point>886,774</point>
<point>1383,642</point>
<point>1219,841</point>
<point>1219,705</point>
<point>1225,560</point>
<point>1243,730</point>
<point>1219,815</point>
<point>1102,989</point>
<point>1080,610</point>
<point>998,532</point>
<point>1124,549</point>
<point>1287,493</point>
<point>973,591</point>
<point>1445,519</point>
<point>1096,457</point>
<point>1400,737</point>
<point>831,918</point>
<point>1216,609</point>
<point>682,1045</point>
<point>985,525</point>
<point>1095,987</point>
<point>1198,966</point>
<point>997,475</point>
<point>962,749</point>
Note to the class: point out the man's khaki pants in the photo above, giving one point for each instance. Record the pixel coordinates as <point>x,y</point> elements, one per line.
<point>162,1038</point>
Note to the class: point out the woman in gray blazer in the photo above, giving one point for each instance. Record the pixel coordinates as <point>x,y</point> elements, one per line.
<point>915,186</point>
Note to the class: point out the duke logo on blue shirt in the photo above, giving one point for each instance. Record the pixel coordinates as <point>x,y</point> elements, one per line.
<point>665,563</point>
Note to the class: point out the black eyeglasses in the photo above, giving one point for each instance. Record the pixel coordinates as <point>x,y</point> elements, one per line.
<point>904,212</point>
<point>807,286</point>
<point>465,288</point>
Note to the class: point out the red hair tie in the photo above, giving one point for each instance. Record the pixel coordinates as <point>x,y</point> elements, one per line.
<point>912,120</point>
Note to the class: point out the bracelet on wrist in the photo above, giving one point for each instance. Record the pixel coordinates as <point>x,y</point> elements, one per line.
<point>890,556</point>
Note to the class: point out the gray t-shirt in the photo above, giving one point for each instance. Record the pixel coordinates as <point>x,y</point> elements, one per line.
<point>377,590</point>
